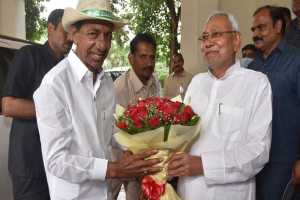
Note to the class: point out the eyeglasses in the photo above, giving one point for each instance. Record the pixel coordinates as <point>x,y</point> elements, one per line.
<point>259,28</point>
<point>213,35</point>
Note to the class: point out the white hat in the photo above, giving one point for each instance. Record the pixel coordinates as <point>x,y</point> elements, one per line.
<point>91,10</point>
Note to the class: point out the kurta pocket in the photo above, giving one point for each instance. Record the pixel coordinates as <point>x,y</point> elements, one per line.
<point>64,189</point>
<point>229,121</point>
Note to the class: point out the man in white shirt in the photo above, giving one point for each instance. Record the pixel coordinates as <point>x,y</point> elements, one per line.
<point>74,106</point>
<point>236,111</point>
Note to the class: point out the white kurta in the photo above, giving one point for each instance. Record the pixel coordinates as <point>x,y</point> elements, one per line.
<point>75,123</point>
<point>236,114</point>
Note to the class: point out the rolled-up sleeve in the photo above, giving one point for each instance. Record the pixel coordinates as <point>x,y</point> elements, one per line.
<point>56,135</point>
<point>248,156</point>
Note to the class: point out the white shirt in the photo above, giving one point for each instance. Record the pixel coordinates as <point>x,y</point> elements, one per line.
<point>75,123</point>
<point>234,144</point>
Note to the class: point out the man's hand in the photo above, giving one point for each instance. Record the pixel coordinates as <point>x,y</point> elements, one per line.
<point>133,165</point>
<point>182,164</point>
<point>296,172</point>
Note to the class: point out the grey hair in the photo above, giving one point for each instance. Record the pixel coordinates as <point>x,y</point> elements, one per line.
<point>229,16</point>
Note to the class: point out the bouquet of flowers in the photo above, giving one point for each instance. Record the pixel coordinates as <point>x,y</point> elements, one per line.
<point>167,125</point>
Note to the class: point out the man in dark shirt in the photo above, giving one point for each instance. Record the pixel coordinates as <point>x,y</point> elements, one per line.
<point>292,34</point>
<point>281,63</point>
<point>25,74</point>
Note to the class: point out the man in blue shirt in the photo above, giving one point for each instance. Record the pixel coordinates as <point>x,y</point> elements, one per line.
<point>281,63</point>
<point>292,34</point>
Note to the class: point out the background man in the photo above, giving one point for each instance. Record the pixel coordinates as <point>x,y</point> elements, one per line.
<point>248,54</point>
<point>236,111</point>
<point>249,51</point>
<point>177,82</point>
<point>281,63</point>
<point>75,104</point>
<point>25,74</point>
<point>137,83</point>
<point>292,34</point>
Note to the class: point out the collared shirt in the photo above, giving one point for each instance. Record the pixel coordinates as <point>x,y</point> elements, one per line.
<point>75,121</point>
<point>26,71</point>
<point>130,88</point>
<point>176,84</point>
<point>236,113</point>
<point>292,34</point>
<point>282,67</point>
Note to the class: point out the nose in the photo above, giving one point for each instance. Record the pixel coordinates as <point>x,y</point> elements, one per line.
<point>150,61</point>
<point>102,44</point>
<point>207,44</point>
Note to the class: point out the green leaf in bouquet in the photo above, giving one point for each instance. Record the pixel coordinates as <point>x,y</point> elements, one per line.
<point>193,121</point>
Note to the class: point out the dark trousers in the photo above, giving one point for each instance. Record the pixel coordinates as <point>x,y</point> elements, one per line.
<point>272,180</point>
<point>28,188</point>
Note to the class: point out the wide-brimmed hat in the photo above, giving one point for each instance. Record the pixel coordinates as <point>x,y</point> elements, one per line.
<point>91,10</point>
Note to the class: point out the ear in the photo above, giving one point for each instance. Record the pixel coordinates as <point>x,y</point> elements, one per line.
<point>130,59</point>
<point>72,36</point>
<point>237,42</point>
<point>50,28</point>
<point>278,26</point>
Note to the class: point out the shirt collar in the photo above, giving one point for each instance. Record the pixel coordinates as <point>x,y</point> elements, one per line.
<point>78,67</point>
<point>232,70</point>
<point>137,83</point>
<point>180,74</point>
<point>281,47</point>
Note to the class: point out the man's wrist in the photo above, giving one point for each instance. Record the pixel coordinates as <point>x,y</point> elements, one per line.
<point>111,171</point>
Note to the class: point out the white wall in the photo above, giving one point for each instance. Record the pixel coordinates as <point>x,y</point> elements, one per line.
<point>12,18</point>
<point>12,23</point>
<point>5,184</point>
<point>194,14</point>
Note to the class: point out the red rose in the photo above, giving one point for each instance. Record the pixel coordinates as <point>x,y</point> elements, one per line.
<point>188,110</point>
<point>185,117</point>
<point>132,111</point>
<point>122,125</point>
<point>177,104</point>
<point>169,109</point>
<point>137,122</point>
<point>154,122</point>
<point>177,119</point>
<point>143,114</point>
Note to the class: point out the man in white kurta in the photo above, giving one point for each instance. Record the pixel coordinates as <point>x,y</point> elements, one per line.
<point>75,104</point>
<point>236,111</point>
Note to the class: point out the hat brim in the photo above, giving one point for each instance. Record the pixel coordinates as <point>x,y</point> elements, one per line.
<point>72,16</point>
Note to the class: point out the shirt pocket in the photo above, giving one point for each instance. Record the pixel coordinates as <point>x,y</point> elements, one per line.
<point>64,189</point>
<point>229,119</point>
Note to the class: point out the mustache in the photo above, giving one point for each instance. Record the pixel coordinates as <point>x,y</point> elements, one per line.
<point>210,49</point>
<point>256,38</point>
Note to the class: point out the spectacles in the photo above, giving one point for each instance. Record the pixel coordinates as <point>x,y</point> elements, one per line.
<point>259,28</point>
<point>213,35</point>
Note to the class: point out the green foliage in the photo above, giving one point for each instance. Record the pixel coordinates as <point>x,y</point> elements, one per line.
<point>146,16</point>
<point>35,25</point>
